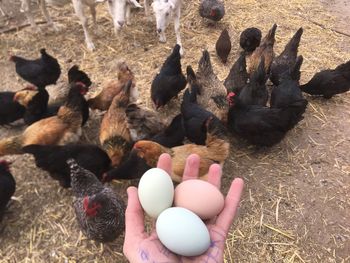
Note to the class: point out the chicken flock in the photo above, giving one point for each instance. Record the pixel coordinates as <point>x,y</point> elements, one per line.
<point>132,137</point>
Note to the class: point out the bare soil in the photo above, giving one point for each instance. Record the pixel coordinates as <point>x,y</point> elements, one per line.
<point>296,202</point>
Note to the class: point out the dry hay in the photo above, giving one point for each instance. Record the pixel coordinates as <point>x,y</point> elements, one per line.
<point>276,216</point>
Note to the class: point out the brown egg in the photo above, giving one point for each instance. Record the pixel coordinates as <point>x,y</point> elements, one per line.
<point>201,197</point>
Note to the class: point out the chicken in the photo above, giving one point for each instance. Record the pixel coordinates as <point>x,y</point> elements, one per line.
<point>288,91</point>
<point>238,76</point>
<point>261,125</point>
<point>10,110</point>
<point>264,50</point>
<point>36,103</point>
<point>53,159</point>
<point>104,99</point>
<point>250,39</point>
<point>212,9</point>
<point>216,150</point>
<point>213,92</point>
<point>114,133</point>
<point>173,135</point>
<point>61,129</point>
<point>255,92</point>
<point>329,82</point>
<point>169,81</point>
<point>76,75</point>
<point>7,186</point>
<point>40,72</point>
<point>143,123</point>
<point>134,167</point>
<point>99,210</point>
<point>223,46</point>
<point>286,59</point>
<point>194,116</point>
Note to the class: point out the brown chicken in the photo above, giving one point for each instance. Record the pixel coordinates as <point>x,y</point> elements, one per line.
<point>223,46</point>
<point>63,128</point>
<point>114,133</point>
<point>104,99</point>
<point>212,94</point>
<point>216,150</point>
<point>264,50</point>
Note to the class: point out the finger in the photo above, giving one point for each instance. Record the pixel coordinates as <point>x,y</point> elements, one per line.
<point>191,167</point>
<point>225,218</point>
<point>134,216</point>
<point>214,175</point>
<point>164,162</point>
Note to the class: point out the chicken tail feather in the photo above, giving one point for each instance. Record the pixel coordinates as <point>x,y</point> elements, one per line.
<point>204,64</point>
<point>293,43</point>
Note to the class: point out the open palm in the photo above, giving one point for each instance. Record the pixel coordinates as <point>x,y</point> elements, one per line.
<point>140,247</point>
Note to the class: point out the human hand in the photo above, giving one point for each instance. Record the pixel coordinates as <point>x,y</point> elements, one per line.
<point>142,247</point>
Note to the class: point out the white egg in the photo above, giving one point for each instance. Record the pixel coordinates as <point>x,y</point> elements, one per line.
<point>182,232</point>
<point>156,191</point>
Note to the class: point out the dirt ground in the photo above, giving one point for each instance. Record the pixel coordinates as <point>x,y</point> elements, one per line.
<point>296,202</point>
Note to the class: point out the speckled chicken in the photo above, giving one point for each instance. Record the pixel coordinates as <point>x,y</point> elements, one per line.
<point>329,82</point>
<point>7,186</point>
<point>250,39</point>
<point>264,50</point>
<point>286,59</point>
<point>212,9</point>
<point>99,210</point>
<point>212,95</point>
<point>223,46</point>
<point>238,76</point>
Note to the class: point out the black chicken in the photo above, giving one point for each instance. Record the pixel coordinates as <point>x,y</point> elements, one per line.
<point>170,80</point>
<point>255,92</point>
<point>212,9</point>
<point>286,59</point>
<point>329,82</point>
<point>7,186</point>
<point>238,76</point>
<point>10,110</point>
<point>40,72</point>
<point>250,39</point>
<point>80,101</point>
<point>288,91</point>
<point>223,46</point>
<point>261,125</point>
<point>100,211</point>
<point>194,115</point>
<point>76,75</point>
<point>52,158</point>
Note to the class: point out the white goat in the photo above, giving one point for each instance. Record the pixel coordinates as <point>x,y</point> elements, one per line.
<point>165,11</point>
<point>120,12</point>
<point>2,10</point>
<point>78,8</point>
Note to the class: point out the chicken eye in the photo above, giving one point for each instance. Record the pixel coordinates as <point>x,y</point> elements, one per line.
<point>167,14</point>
